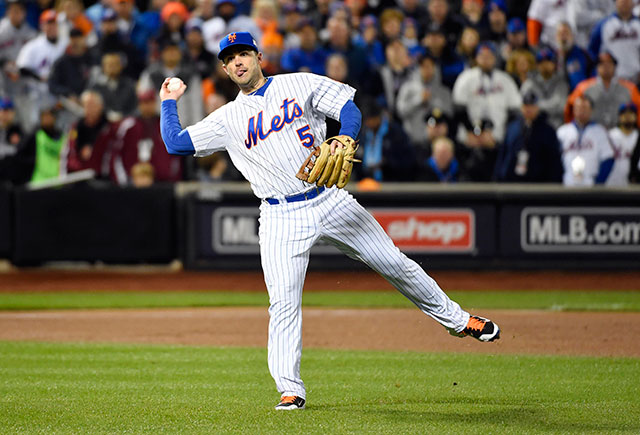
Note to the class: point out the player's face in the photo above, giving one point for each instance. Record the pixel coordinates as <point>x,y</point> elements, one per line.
<point>243,68</point>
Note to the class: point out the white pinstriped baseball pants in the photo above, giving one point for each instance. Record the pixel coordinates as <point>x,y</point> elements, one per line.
<point>287,233</point>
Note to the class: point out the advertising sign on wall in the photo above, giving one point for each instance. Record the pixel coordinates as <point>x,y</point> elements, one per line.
<point>429,230</point>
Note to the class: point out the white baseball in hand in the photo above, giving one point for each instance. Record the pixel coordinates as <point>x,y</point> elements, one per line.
<point>174,84</point>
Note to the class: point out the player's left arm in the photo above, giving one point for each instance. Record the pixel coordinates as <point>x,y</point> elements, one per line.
<point>350,119</point>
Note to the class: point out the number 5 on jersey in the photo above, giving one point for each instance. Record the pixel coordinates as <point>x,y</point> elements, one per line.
<point>306,138</point>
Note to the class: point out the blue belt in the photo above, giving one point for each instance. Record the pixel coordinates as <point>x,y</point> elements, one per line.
<point>309,194</point>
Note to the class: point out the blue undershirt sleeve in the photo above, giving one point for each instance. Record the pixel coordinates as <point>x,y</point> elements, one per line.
<point>176,140</point>
<point>350,119</point>
<point>604,171</point>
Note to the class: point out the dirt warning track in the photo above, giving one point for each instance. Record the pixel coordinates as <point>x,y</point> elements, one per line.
<point>523,332</point>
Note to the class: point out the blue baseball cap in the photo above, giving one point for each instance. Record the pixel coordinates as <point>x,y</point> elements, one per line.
<point>515,25</point>
<point>6,104</point>
<point>627,107</point>
<point>236,39</point>
<point>545,54</point>
<point>488,45</point>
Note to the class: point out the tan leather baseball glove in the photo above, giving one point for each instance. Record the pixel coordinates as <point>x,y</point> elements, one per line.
<point>327,170</point>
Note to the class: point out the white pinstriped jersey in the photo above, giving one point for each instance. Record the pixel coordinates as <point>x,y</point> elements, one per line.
<point>268,137</point>
<point>591,144</point>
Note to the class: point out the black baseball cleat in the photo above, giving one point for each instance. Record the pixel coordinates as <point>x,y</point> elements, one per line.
<point>289,403</point>
<point>479,328</point>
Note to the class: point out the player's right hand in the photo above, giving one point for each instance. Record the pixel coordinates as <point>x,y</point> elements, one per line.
<point>166,94</point>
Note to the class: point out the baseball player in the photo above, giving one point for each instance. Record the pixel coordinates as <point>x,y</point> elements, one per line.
<point>268,132</point>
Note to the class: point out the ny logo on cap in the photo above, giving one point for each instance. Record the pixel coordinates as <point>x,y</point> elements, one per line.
<point>232,37</point>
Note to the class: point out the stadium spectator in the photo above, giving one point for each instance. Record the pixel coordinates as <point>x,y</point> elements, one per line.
<point>574,62</point>
<point>467,45</point>
<point>111,41</point>
<point>37,56</point>
<point>542,21</point>
<point>410,37</point>
<point>338,69</point>
<point>290,16</point>
<point>34,62</point>
<point>421,93</point>
<point>14,31</point>
<point>339,41</point>
<point>516,38</point>
<point>130,26</point>
<point>319,13</point>
<point>394,73</point>
<point>218,83</point>
<point>441,16</point>
<point>497,14</point>
<point>451,65</point>
<point>172,64</point>
<point>91,138</point>
<point>96,11</point>
<point>70,74</point>
<point>625,142</point>
<point>174,15</point>
<point>549,86</point>
<point>71,16</point>
<point>227,20</point>
<point>587,156</point>
<point>368,39</point>
<point>605,91</point>
<point>390,25</point>
<point>385,149</point>
<point>265,14</point>
<point>519,65</point>
<point>483,97</point>
<point>530,152</point>
<point>473,15</point>
<point>142,175</point>
<point>195,52</point>
<point>117,90</point>
<point>44,147</point>
<point>12,164</point>
<point>138,140</point>
<point>619,34</point>
<point>415,10</point>
<point>310,56</point>
<point>442,166</point>
<point>272,50</point>
<point>584,15</point>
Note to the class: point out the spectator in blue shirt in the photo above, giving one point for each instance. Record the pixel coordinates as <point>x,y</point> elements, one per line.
<point>574,62</point>
<point>309,57</point>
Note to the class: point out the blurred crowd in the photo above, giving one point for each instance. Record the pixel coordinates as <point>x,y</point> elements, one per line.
<point>450,91</point>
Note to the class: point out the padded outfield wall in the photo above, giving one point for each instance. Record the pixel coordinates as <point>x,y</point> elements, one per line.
<point>215,226</point>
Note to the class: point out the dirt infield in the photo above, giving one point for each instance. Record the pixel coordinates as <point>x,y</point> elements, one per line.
<point>524,332</point>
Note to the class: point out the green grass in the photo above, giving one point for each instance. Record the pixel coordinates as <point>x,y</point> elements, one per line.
<point>546,300</point>
<point>92,388</point>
